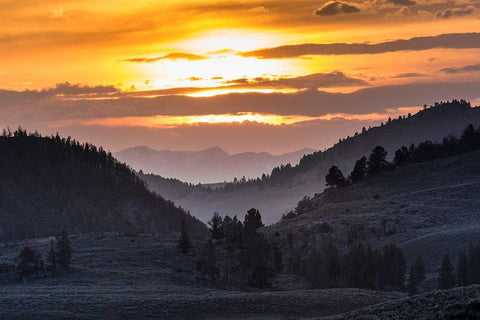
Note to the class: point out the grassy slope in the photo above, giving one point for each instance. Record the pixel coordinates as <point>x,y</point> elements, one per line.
<point>431,208</point>
<point>144,277</point>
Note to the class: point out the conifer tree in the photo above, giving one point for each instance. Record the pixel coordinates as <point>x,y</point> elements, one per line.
<point>277,258</point>
<point>446,279</point>
<point>412,282</point>
<point>462,273</point>
<point>360,170</point>
<point>64,250</point>
<point>377,160</point>
<point>184,243</point>
<point>216,226</point>
<point>29,263</point>
<point>419,267</point>
<point>334,177</point>
<point>51,257</point>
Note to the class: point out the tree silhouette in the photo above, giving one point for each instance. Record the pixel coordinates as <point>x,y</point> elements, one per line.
<point>360,170</point>
<point>462,270</point>
<point>29,263</point>
<point>52,257</point>
<point>419,267</point>
<point>446,278</point>
<point>64,250</point>
<point>377,161</point>
<point>216,226</point>
<point>253,220</point>
<point>334,177</point>
<point>184,243</point>
<point>412,282</point>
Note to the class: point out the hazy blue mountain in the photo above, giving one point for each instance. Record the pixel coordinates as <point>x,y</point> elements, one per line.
<point>205,166</point>
<point>281,190</point>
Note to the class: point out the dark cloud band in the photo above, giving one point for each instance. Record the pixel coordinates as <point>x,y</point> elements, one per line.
<point>447,41</point>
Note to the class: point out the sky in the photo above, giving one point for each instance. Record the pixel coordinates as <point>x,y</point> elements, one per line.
<point>246,75</point>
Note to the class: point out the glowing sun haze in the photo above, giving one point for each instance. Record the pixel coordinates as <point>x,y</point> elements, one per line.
<point>122,73</point>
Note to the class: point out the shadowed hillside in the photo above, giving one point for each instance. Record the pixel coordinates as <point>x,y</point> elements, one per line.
<point>49,183</point>
<point>277,193</point>
<point>429,208</point>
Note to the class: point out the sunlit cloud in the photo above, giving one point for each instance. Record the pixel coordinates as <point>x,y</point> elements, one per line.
<point>161,121</point>
<point>170,56</point>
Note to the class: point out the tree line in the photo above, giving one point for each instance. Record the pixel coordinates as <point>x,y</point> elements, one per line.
<point>50,182</point>
<point>425,151</point>
<point>260,258</point>
<point>283,174</point>
<point>31,265</point>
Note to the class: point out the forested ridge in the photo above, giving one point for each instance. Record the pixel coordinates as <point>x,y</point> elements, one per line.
<point>50,183</point>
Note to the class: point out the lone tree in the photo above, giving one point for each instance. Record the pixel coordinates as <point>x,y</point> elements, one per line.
<point>419,269</point>
<point>184,243</point>
<point>360,170</point>
<point>64,250</point>
<point>253,220</point>
<point>377,161</point>
<point>51,257</point>
<point>462,270</point>
<point>446,278</point>
<point>334,177</point>
<point>412,282</point>
<point>257,252</point>
<point>416,276</point>
<point>29,263</point>
<point>216,226</point>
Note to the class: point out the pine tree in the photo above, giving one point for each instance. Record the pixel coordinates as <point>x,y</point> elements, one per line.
<point>277,259</point>
<point>360,170</point>
<point>446,279</point>
<point>419,267</point>
<point>29,263</point>
<point>51,257</point>
<point>64,250</point>
<point>377,161</point>
<point>216,226</point>
<point>462,273</point>
<point>334,177</point>
<point>412,282</point>
<point>184,243</point>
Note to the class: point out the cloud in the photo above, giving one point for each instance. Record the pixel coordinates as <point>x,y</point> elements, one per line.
<point>402,2</point>
<point>409,75</point>
<point>456,12</point>
<point>312,81</point>
<point>18,105</point>
<point>332,8</point>
<point>170,56</point>
<point>258,10</point>
<point>469,68</point>
<point>447,41</point>
<point>402,12</point>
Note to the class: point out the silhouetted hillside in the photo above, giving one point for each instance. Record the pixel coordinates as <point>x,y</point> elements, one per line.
<point>205,166</point>
<point>170,188</point>
<point>49,183</point>
<point>277,193</point>
<point>433,124</point>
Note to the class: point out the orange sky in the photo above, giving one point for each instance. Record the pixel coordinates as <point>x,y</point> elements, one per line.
<point>124,60</point>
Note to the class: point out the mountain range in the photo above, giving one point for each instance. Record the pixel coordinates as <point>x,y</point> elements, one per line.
<point>205,166</point>
<point>281,190</point>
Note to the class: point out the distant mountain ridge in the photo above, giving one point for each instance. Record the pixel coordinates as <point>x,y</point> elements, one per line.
<point>205,166</point>
<point>281,190</point>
